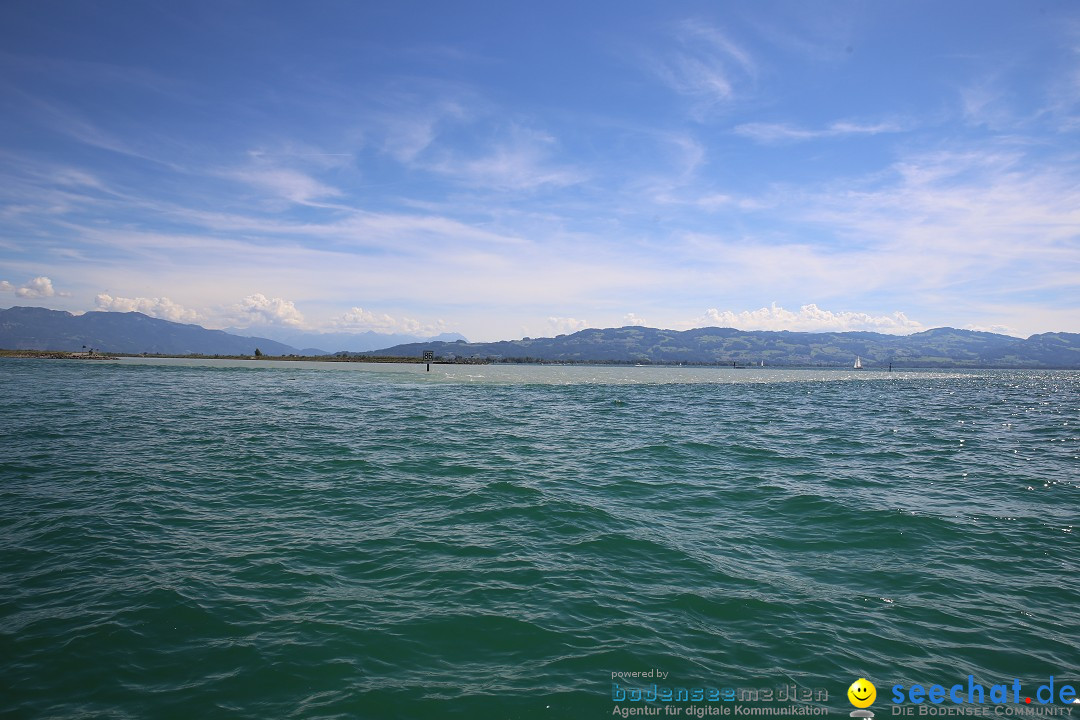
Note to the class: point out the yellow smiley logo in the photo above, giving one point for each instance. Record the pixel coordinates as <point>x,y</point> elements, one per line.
<point>862,693</point>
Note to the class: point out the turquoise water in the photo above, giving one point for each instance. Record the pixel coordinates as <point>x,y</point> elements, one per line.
<point>257,540</point>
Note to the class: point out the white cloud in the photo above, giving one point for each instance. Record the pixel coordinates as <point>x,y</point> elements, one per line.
<point>427,121</point>
<point>410,132</point>
<point>771,133</point>
<point>359,319</point>
<point>690,154</point>
<point>39,287</point>
<point>809,318</point>
<point>707,65</point>
<point>158,307</point>
<point>984,103</point>
<point>291,185</point>
<point>519,161</point>
<point>76,177</point>
<point>258,309</point>
<point>632,319</point>
<point>985,220</point>
<point>999,329</point>
<point>294,152</point>
<point>949,236</point>
<point>566,325</point>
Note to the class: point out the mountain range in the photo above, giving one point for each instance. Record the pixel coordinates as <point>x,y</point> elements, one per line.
<point>338,341</point>
<point>941,347</point>
<point>29,328</point>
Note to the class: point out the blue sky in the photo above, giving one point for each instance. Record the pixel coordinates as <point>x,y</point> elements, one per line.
<point>509,169</point>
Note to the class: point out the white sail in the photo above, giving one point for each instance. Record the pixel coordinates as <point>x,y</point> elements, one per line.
<point>858,363</point>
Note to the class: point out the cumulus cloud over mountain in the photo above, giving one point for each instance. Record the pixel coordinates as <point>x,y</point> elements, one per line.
<point>157,307</point>
<point>39,287</point>
<point>809,318</point>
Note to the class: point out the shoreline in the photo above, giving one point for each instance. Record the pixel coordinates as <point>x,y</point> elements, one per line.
<point>381,359</point>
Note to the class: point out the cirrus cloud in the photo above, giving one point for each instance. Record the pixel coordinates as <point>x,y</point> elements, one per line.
<point>773,133</point>
<point>707,65</point>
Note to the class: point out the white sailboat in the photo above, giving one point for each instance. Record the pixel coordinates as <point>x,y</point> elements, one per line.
<point>858,363</point>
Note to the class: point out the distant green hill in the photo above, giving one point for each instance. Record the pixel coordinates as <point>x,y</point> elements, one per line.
<point>941,347</point>
<point>28,328</point>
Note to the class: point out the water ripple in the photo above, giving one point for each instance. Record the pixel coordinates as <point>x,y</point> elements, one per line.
<point>257,540</point>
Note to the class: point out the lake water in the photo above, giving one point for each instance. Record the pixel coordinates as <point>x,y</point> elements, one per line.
<point>320,540</point>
